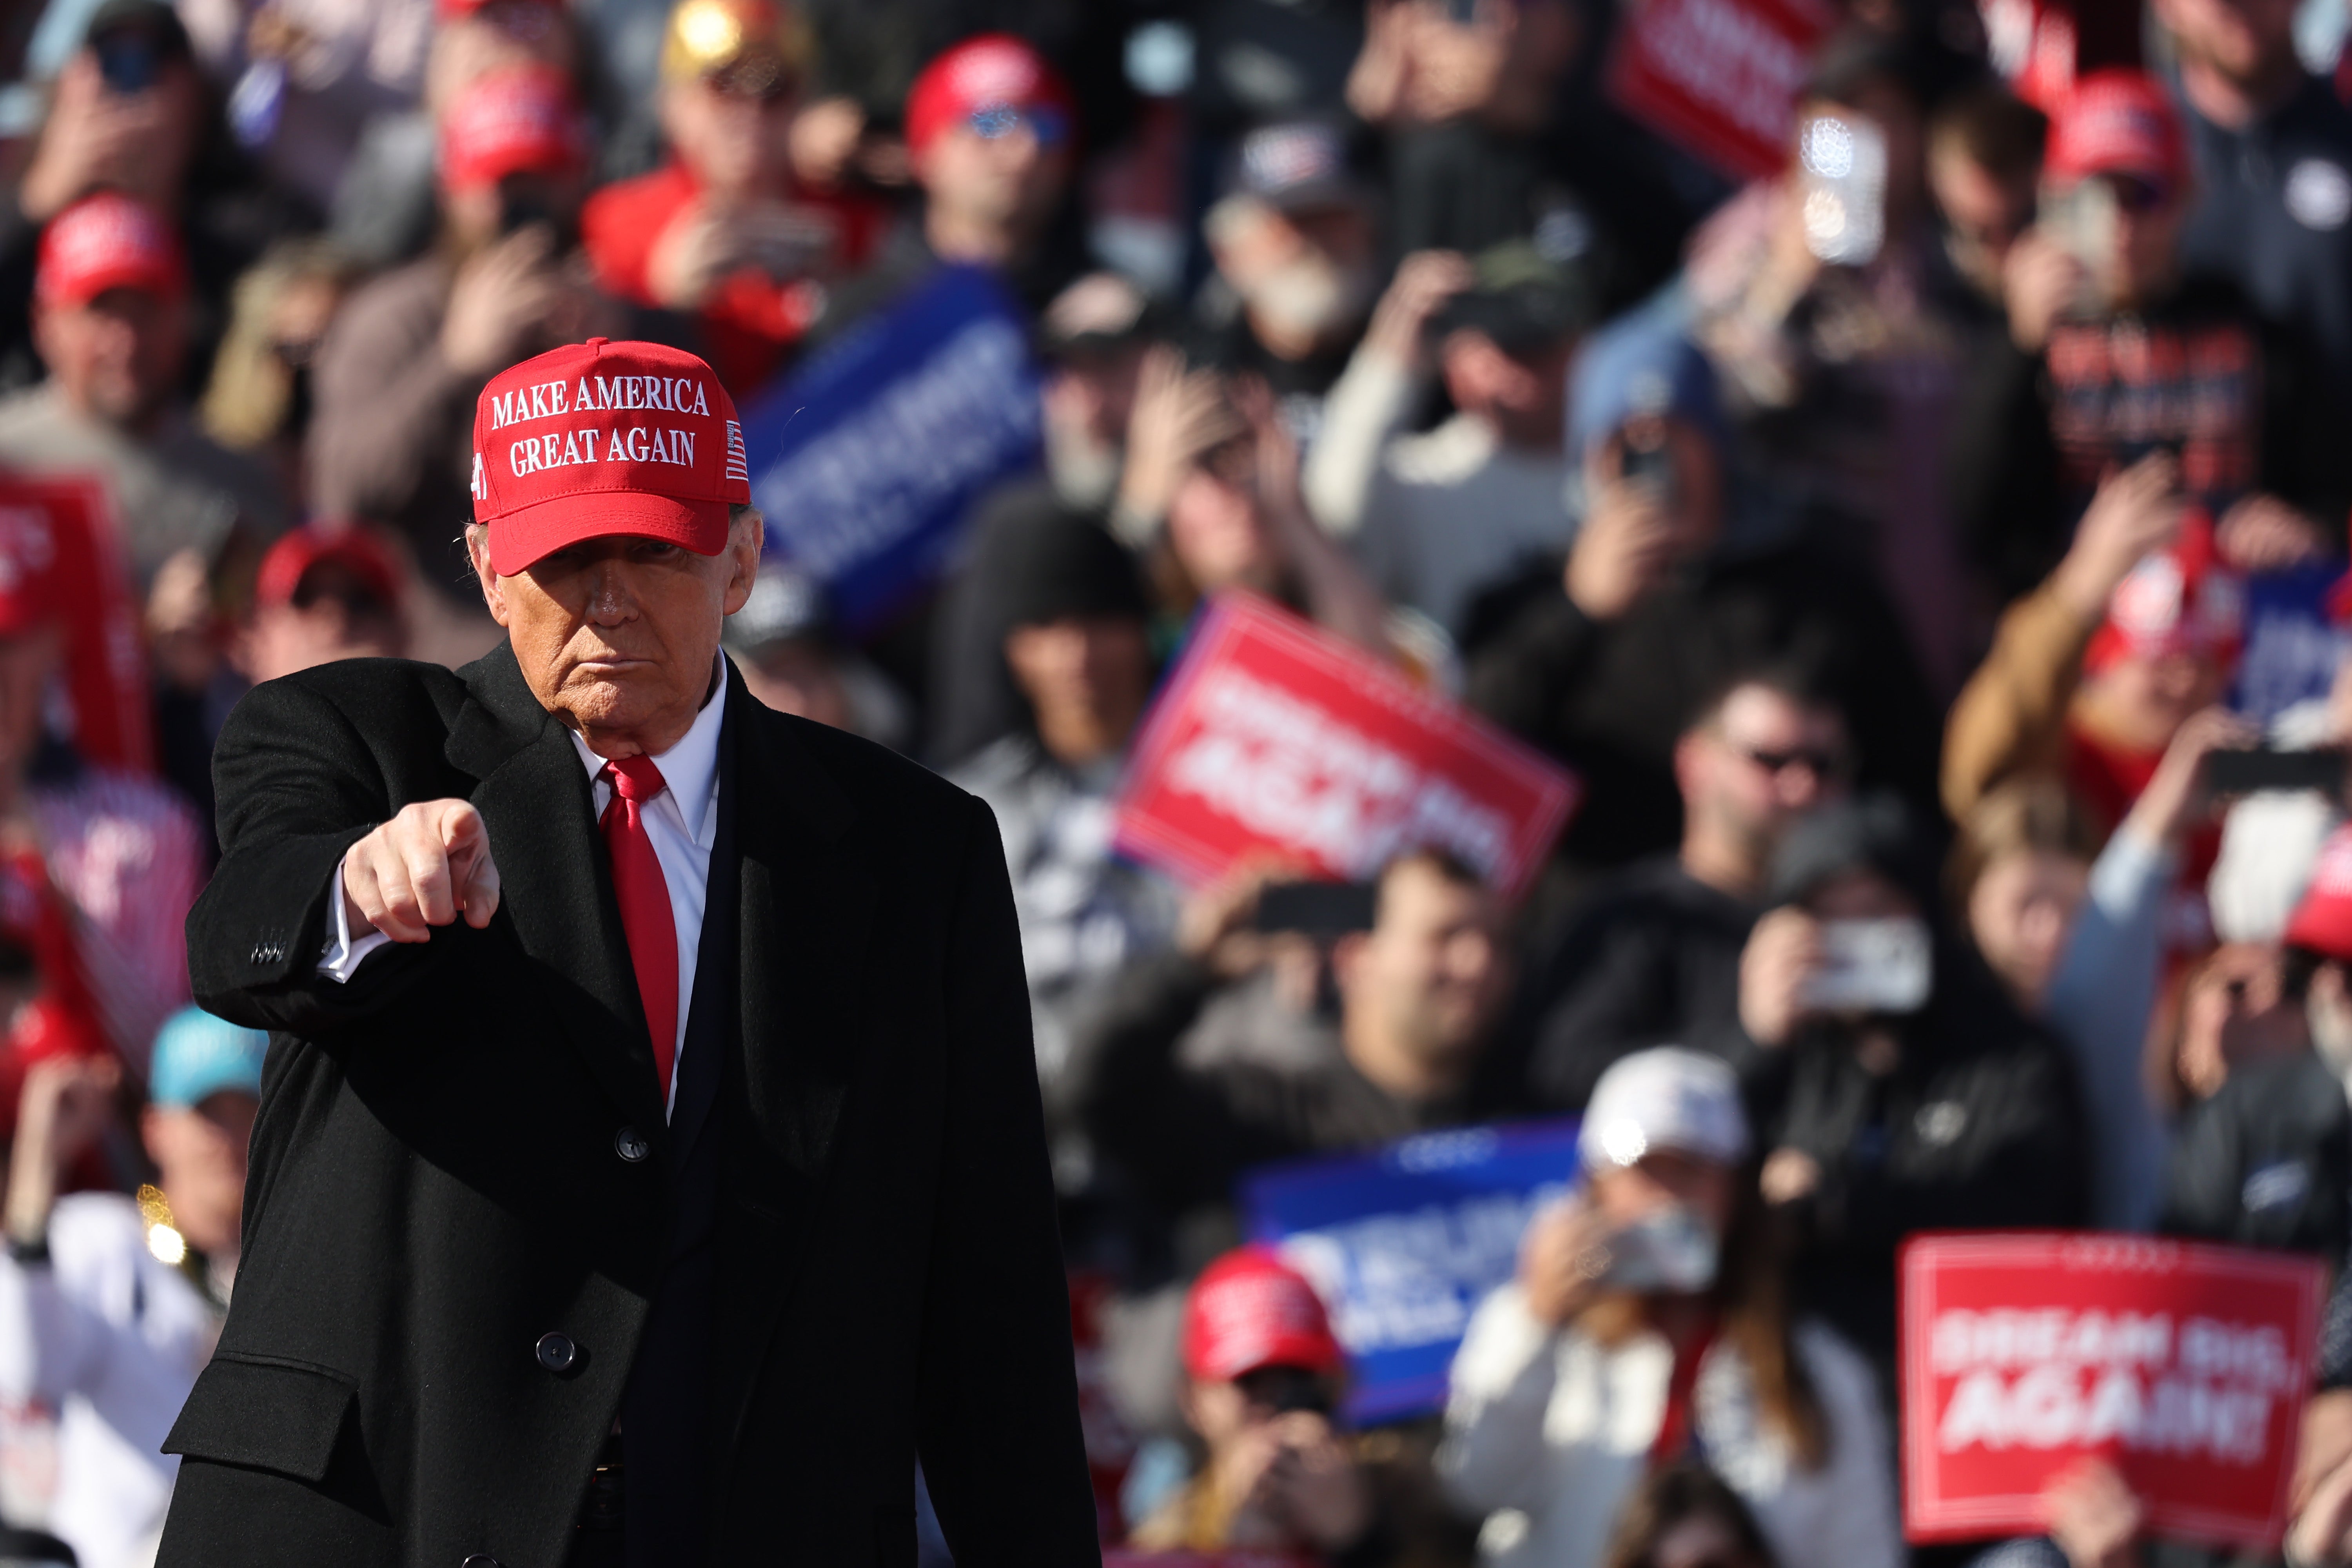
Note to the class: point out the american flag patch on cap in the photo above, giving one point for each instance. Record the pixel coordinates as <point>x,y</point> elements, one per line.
<point>738,465</point>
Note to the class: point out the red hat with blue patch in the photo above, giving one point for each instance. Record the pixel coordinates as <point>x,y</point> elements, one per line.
<point>600,438</point>
<point>1251,1310</point>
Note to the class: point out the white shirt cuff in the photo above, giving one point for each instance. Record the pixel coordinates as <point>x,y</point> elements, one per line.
<point>343,955</point>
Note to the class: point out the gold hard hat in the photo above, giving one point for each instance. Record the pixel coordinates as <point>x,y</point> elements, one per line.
<point>759,41</point>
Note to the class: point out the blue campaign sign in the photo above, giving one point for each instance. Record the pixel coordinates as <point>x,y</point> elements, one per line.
<point>866,459</point>
<point>1403,1243</point>
<point>2292,645</point>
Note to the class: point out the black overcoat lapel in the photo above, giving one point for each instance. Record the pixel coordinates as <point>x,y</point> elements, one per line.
<point>557,891</point>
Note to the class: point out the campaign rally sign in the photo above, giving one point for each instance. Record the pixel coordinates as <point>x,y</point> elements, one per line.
<point>1719,77</point>
<point>1274,735</point>
<point>2183,1365</point>
<point>866,459</point>
<point>2292,641</point>
<point>62,530</point>
<point>1403,1243</point>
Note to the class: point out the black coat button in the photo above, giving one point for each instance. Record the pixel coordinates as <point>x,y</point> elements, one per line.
<point>556,1352</point>
<point>631,1144</point>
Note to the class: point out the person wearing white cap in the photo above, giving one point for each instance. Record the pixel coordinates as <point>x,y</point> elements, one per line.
<point>1648,1323</point>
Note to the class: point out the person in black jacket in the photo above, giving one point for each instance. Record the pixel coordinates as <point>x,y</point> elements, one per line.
<point>2117,351</point>
<point>1418,995</point>
<point>1666,595</point>
<point>649,1165</point>
<point>1653,956</point>
<point>1888,1113</point>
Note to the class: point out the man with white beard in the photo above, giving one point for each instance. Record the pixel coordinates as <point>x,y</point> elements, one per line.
<point>1295,247</point>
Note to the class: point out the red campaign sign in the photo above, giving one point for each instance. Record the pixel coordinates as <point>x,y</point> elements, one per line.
<point>2183,1365</point>
<point>64,529</point>
<point>1719,76</point>
<point>1275,736</point>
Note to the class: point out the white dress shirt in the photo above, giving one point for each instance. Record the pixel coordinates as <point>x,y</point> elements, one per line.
<point>682,821</point>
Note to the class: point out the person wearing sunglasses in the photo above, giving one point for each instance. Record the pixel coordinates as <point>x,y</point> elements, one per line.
<point>2120,349</point>
<point>1652,951</point>
<point>726,231</point>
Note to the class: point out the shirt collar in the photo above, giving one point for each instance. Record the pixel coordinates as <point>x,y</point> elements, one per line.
<point>690,768</point>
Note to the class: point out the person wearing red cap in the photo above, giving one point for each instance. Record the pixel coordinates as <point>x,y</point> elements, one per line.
<point>729,231</point>
<point>321,597</point>
<point>2119,352</point>
<point>1262,1374</point>
<point>991,136</point>
<point>111,316</point>
<point>654,1164</point>
<point>398,372</point>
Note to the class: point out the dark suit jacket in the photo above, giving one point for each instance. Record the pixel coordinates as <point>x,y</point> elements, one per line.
<point>438,1174</point>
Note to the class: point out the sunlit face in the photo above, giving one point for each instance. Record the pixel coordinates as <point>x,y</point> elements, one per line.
<point>617,633</point>
<point>2022,912</point>
<point>735,142</point>
<point>1432,964</point>
<point>1215,528</point>
<point>118,357</point>
<point>1765,761</point>
<point>1002,168</point>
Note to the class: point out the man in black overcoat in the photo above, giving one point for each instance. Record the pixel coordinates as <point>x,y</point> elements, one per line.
<point>649,1165</point>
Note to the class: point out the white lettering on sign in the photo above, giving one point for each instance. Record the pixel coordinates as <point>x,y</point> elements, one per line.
<point>878,476</point>
<point>1721,55</point>
<point>2057,1378</point>
<point>599,393</point>
<point>1289,770</point>
<point>1398,1280</point>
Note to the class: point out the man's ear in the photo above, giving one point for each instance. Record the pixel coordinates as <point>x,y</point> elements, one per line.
<point>745,536</point>
<point>477,546</point>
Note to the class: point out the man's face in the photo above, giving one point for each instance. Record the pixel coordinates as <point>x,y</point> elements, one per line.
<point>2147,239</point>
<point>1005,172</point>
<point>118,357</point>
<point>1089,672</point>
<point>1216,528</point>
<point>616,633</point>
<point>1432,964</point>
<point>1763,762</point>
<point>27,660</point>
<point>2243,40</point>
<point>200,1156</point>
<point>1983,213</point>
<point>2022,912</point>
<point>290,637</point>
<point>734,138</point>
<point>1304,273</point>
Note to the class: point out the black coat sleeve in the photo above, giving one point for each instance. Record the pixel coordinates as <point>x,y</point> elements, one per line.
<point>297,785</point>
<point>2305,459</point>
<point>997,1421</point>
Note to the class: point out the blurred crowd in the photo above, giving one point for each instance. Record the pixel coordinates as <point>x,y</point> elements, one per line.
<point>1882,542</point>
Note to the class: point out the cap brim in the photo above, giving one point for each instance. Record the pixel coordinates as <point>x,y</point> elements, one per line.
<point>522,538</point>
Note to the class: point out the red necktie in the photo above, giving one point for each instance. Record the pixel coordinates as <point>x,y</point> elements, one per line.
<point>644,895</point>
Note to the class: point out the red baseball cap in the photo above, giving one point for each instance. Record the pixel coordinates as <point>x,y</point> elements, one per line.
<point>519,120</point>
<point>28,549</point>
<point>108,241</point>
<point>995,70</point>
<point>2178,600</point>
<point>2322,921</point>
<point>2119,121</point>
<point>1249,1310</point>
<point>299,549</point>
<point>606,437</point>
<point>458,10</point>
